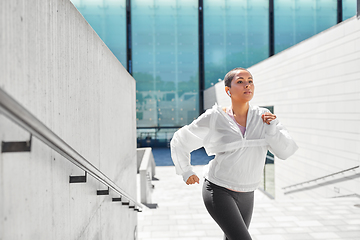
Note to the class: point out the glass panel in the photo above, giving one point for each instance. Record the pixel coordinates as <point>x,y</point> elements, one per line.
<point>236,34</point>
<point>108,19</point>
<point>349,8</point>
<point>155,137</point>
<point>165,61</point>
<point>268,180</point>
<point>269,174</point>
<point>296,20</point>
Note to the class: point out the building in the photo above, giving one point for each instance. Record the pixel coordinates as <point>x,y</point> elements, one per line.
<point>314,89</point>
<point>58,71</point>
<point>177,49</point>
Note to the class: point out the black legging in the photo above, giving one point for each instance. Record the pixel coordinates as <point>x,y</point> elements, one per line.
<point>231,210</point>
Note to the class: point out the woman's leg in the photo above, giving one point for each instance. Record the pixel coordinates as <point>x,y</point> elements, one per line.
<point>245,203</point>
<point>232,215</point>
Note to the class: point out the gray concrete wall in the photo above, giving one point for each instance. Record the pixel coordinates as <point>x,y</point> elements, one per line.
<point>314,87</point>
<point>56,66</point>
<point>147,173</point>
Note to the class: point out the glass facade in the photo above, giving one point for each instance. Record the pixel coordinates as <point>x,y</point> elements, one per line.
<point>108,19</point>
<point>165,45</point>
<point>236,34</point>
<point>349,8</point>
<point>165,61</point>
<point>296,20</point>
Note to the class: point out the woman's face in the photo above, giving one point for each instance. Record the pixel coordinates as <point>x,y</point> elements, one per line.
<point>242,86</point>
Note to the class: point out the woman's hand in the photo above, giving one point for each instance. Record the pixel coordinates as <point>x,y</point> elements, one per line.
<point>192,180</point>
<point>268,117</point>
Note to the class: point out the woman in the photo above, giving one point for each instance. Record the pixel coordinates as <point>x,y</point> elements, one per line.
<point>239,137</point>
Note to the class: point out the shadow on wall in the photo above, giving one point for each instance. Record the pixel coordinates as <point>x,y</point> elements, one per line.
<point>324,183</point>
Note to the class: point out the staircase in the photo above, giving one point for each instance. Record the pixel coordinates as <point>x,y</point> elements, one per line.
<point>182,215</point>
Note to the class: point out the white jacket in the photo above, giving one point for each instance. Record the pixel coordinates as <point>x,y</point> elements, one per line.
<point>239,160</point>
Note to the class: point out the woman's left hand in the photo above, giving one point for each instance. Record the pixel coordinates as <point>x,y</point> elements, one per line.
<point>268,117</point>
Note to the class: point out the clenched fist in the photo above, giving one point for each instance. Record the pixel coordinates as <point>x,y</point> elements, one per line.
<point>192,180</point>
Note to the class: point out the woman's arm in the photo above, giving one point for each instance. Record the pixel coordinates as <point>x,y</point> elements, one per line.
<point>278,138</point>
<point>186,140</point>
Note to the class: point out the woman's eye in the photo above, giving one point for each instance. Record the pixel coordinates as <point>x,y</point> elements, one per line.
<point>240,81</point>
<point>250,81</point>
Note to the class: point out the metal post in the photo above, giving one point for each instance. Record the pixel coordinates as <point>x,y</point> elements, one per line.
<point>201,57</point>
<point>339,11</point>
<point>271,29</point>
<point>128,37</point>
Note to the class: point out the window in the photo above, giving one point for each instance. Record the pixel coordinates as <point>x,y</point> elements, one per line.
<point>236,34</point>
<point>165,61</point>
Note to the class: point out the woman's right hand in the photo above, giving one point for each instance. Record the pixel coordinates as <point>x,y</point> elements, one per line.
<point>192,180</point>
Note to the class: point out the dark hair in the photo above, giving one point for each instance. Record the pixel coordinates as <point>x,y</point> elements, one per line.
<point>230,75</point>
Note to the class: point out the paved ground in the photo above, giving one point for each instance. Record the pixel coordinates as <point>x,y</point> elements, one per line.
<point>181,215</point>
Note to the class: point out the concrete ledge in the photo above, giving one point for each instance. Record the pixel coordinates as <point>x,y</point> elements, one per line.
<point>147,173</point>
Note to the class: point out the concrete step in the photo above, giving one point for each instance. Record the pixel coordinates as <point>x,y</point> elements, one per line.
<point>181,214</point>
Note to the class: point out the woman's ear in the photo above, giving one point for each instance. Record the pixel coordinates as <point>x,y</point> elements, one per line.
<point>227,90</point>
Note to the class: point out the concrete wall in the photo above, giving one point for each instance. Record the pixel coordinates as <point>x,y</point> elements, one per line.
<point>147,173</point>
<point>55,65</point>
<point>314,87</point>
<point>216,94</point>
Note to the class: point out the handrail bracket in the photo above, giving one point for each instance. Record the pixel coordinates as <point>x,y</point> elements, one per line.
<point>102,192</point>
<point>16,146</point>
<point>78,179</point>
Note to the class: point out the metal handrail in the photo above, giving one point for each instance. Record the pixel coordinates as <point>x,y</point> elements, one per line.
<point>294,185</point>
<point>14,111</point>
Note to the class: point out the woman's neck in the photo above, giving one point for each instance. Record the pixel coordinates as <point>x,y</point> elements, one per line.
<point>240,109</point>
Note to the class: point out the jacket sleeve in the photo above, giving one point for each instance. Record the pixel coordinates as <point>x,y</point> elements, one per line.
<point>186,140</point>
<point>280,142</point>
